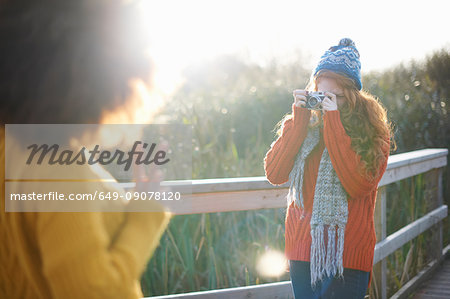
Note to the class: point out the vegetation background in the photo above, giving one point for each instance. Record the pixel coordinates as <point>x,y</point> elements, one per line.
<point>234,107</point>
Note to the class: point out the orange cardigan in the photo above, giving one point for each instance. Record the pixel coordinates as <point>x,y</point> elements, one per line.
<point>360,238</point>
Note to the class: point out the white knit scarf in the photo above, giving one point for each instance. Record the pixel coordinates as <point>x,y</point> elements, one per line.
<point>329,208</point>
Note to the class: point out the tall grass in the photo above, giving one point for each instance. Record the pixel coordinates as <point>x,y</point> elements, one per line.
<point>213,251</point>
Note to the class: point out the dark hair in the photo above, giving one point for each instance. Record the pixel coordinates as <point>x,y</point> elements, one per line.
<point>67,61</point>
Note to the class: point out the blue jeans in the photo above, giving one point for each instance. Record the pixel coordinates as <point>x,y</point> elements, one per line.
<point>353,285</point>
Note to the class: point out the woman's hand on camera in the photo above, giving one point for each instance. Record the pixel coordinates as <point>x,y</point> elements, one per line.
<point>330,102</point>
<point>299,97</point>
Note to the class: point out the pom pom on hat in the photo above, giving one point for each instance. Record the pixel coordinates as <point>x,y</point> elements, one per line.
<point>344,59</point>
<point>346,42</point>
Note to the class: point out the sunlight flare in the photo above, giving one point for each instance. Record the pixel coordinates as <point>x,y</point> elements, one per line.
<point>271,264</point>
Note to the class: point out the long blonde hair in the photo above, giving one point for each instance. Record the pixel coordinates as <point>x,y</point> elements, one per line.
<point>364,120</point>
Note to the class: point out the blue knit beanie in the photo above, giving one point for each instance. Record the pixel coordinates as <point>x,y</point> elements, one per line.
<point>344,59</point>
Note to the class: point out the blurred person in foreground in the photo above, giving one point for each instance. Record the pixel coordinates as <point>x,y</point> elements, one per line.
<point>333,155</point>
<point>70,62</point>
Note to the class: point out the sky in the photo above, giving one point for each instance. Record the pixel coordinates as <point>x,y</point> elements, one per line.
<point>385,32</point>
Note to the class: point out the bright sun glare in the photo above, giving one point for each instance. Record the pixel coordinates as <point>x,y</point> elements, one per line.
<point>183,32</point>
<point>271,264</point>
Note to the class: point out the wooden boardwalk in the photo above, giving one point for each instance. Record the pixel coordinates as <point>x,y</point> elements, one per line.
<point>437,286</point>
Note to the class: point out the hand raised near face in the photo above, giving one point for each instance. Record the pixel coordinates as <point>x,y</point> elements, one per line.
<point>299,97</point>
<point>330,102</point>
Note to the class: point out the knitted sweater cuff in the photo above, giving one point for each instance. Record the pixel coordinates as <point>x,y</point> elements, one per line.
<point>301,115</point>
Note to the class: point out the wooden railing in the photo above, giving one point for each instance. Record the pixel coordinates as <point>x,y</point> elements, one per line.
<point>251,193</point>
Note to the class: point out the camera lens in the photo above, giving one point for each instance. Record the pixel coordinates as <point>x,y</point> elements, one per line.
<point>313,102</point>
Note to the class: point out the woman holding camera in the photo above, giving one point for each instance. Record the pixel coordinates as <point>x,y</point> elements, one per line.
<point>333,157</point>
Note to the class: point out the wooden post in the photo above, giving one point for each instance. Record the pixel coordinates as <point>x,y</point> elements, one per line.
<point>379,283</point>
<point>435,198</point>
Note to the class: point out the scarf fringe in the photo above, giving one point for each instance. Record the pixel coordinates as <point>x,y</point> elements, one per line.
<point>326,262</point>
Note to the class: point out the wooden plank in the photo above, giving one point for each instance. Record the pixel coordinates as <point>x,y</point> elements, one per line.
<point>440,201</point>
<point>412,157</point>
<point>407,233</point>
<point>394,174</point>
<point>231,201</point>
<point>257,193</point>
<point>399,167</point>
<point>416,281</point>
<point>380,228</point>
<point>425,274</point>
<point>432,190</point>
<point>269,290</point>
<point>220,185</point>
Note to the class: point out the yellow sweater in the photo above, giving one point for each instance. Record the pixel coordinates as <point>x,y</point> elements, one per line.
<point>74,255</point>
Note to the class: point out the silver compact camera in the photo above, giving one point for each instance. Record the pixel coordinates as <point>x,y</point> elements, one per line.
<point>314,99</point>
